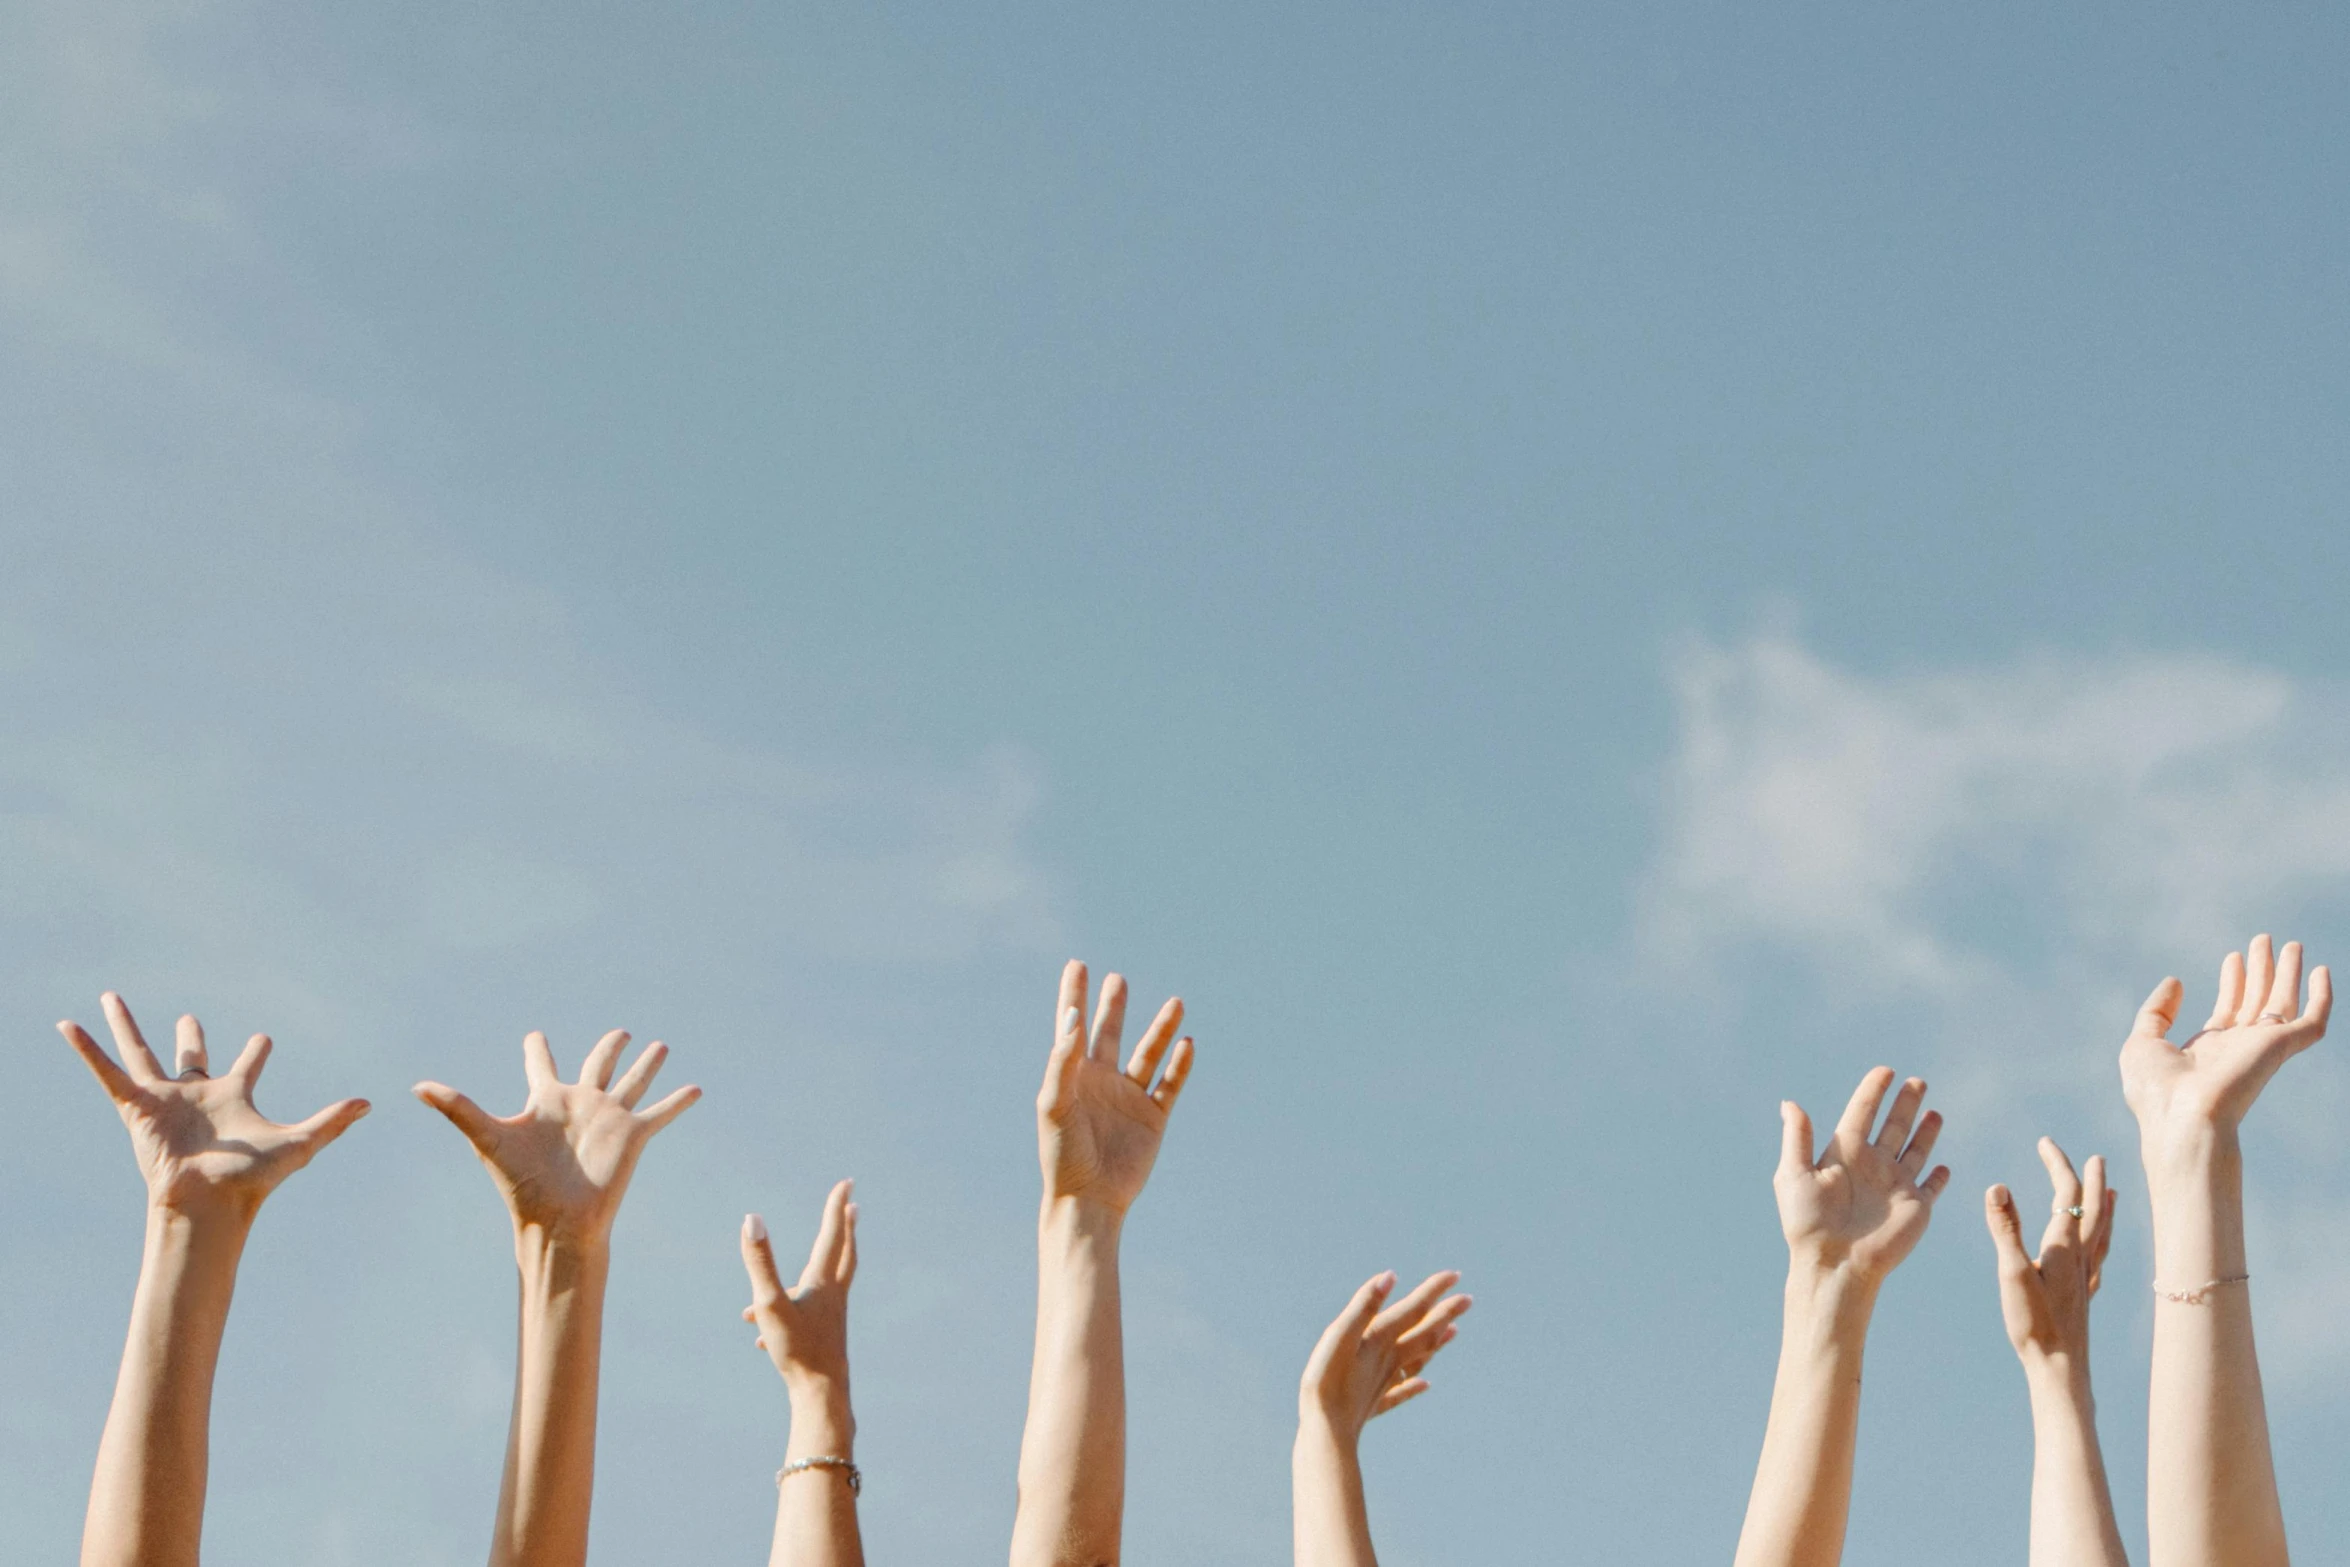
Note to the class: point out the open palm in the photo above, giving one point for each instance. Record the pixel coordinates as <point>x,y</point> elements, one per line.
<point>2258,1023</point>
<point>198,1138</point>
<point>564,1161</point>
<point>1098,1125</point>
<point>1860,1204</point>
<point>1370,1359</point>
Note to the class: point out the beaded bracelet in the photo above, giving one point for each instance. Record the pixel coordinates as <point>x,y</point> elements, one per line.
<point>2202,1293</point>
<point>848,1471</point>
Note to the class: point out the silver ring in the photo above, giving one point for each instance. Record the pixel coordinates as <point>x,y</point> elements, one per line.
<point>2076,1211</point>
<point>2272,1017</point>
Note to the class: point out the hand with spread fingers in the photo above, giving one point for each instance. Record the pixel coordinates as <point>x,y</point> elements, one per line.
<point>198,1139</point>
<point>1368,1361</point>
<point>1850,1215</point>
<point>805,1332</point>
<point>562,1163</point>
<point>2212,1491</point>
<point>2045,1300</point>
<point>1098,1126</point>
<point>564,1160</point>
<point>1863,1204</point>
<point>210,1159</point>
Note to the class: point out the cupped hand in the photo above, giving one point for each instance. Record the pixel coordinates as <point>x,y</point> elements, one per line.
<point>1097,1125</point>
<point>564,1161</point>
<point>2046,1299</point>
<point>1861,1206</point>
<point>200,1142</point>
<point>1370,1359</point>
<point>2257,1024</point>
<point>805,1330</point>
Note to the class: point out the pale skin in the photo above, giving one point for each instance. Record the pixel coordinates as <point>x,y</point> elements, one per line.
<point>2211,1494</point>
<point>1098,1126</point>
<point>805,1332</point>
<point>1368,1361</point>
<point>563,1164</point>
<point>210,1159</point>
<point>1850,1215</point>
<point>2045,1302</point>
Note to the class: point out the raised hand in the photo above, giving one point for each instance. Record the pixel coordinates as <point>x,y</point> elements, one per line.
<point>2257,1024</point>
<point>805,1330</point>
<point>564,1161</point>
<point>1861,1205</point>
<point>198,1139</point>
<point>2046,1299</point>
<point>1369,1360</point>
<point>1098,1126</point>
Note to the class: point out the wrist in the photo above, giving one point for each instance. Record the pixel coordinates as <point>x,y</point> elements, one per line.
<point>210,1212</point>
<point>2187,1151</point>
<point>559,1256</point>
<point>823,1425</point>
<point>2056,1375</point>
<point>1320,1432</point>
<point>1079,1222</point>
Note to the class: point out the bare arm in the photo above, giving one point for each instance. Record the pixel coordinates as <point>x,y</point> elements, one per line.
<point>1850,1217</point>
<point>805,1332</point>
<point>1098,1131</point>
<point>2211,1482</point>
<point>563,1165</point>
<point>210,1159</point>
<point>2045,1302</point>
<point>1367,1362</point>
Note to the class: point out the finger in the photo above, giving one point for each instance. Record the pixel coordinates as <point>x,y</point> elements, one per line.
<point>538,1062</point>
<point>1109,1020</point>
<point>596,1070</point>
<point>670,1108</point>
<point>327,1125</point>
<point>2231,992</point>
<point>1407,1312</point>
<point>1353,1322</point>
<point>1178,1071</point>
<point>1433,1331</point>
<point>1921,1147</point>
<point>1072,992</point>
<point>245,1071</point>
<point>640,1073</point>
<point>1414,1358</point>
<point>1861,1113</point>
<point>1401,1393</point>
<point>188,1053</point>
<point>759,1263</point>
<point>1931,1187</point>
<point>824,1253</point>
<point>2061,1179</point>
<point>2310,1027</point>
<point>1795,1142</point>
<point>2161,1010</point>
<point>478,1125</point>
<point>1060,1068</point>
<point>2102,1241</point>
<point>137,1059</point>
<point>1154,1042</point>
<point>2094,1207</point>
<point>2007,1230</point>
<point>2284,992</point>
<point>118,1084</point>
<point>2260,966</point>
<point>1895,1132</point>
<point>848,1247</point>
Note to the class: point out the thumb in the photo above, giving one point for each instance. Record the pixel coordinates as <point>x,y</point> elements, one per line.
<point>327,1125</point>
<point>759,1262</point>
<point>2007,1230</point>
<point>1795,1140</point>
<point>1350,1324</point>
<point>1060,1071</point>
<point>478,1125</point>
<point>2160,1011</point>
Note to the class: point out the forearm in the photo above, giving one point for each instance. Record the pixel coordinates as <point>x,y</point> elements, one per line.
<point>147,1496</point>
<point>2072,1506</point>
<point>2211,1492</point>
<point>1803,1484</point>
<point>551,1445</point>
<point>1330,1522</point>
<point>815,1511</point>
<point>1073,1452</point>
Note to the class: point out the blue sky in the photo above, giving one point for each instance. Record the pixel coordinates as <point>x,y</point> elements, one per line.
<point>1561,573</point>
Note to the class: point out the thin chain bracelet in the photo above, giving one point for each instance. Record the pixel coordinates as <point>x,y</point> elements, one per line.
<point>848,1471</point>
<point>2201,1295</point>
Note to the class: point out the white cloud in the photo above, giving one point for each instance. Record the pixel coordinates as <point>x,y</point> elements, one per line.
<point>2007,859</point>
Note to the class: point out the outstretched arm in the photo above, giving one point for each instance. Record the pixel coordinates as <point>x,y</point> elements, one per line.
<point>209,1159</point>
<point>1368,1361</point>
<point>1850,1217</point>
<point>2211,1492</point>
<point>563,1165</point>
<point>2045,1301</point>
<point>805,1332</point>
<point>1098,1129</point>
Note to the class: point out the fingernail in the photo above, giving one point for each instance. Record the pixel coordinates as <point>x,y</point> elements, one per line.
<point>1069,1022</point>
<point>754,1227</point>
<point>1387,1279</point>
